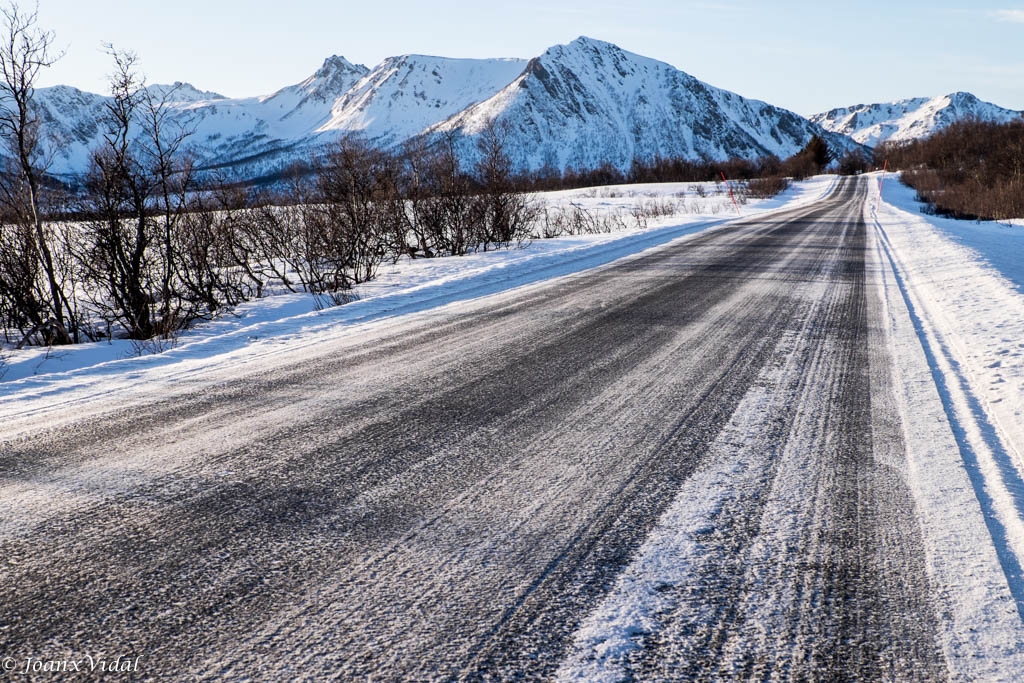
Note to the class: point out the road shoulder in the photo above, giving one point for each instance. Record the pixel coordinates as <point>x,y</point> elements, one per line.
<point>969,565</point>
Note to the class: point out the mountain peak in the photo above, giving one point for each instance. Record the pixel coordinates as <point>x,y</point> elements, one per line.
<point>583,45</point>
<point>180,91</point>
<point>405,94</point>
<point>327,84</point>
<point>338,64</point>
<point>587,41</point>
<point>590,102</point>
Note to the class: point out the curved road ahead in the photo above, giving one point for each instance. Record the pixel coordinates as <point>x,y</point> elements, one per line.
<point>457,496</point>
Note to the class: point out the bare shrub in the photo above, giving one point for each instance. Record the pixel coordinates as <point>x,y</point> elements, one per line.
<point>151,347</point>
<point>766,188</point>
<point>505,213</point>
<point>447,212</point>
<point>655,208</point>
<point>209,276</point>
<point>972,169</point>
<point>853,163</point>
<point>354,214</point>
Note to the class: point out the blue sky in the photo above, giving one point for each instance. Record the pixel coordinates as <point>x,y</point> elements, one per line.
<point>805,56</point>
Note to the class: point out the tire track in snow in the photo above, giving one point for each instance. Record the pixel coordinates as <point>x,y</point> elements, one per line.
<point>791,553</point>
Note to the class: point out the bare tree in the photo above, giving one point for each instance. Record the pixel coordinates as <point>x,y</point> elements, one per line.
<point>162,148</point>
<point>414,189</point>
<point>450,212</point>
<point>506,214</point>
<point>118,257</point>
<point>358,216</point>
<point>155,268</point>
<point>25,50</point>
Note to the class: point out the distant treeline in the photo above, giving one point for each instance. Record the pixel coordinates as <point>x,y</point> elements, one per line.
<point>765,171</point>
<point>814,158</point>
<point>972,169</point>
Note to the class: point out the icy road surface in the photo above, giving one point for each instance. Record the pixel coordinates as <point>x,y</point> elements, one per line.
<point>712,460</point>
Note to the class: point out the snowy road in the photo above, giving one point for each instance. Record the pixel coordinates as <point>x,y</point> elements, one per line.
<point>689,464</point>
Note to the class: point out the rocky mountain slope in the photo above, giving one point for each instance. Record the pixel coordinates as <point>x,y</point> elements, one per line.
<point>871,124</point>
<point>590,102</point>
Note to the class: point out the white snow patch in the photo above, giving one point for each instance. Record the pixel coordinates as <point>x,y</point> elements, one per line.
<point>956,327</point>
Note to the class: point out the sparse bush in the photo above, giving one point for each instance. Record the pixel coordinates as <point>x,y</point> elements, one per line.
<point>656,208</point>
<point>972,169</point>
<point>853,163</point>
<point>354,213</point>
<point>210,278</point>
<point>505,214</point>
<point>766,188</point>
<point>443,207</point>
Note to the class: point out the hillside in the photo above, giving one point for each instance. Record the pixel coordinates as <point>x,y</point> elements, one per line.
<point>590,102</point>
<point>872,124</point>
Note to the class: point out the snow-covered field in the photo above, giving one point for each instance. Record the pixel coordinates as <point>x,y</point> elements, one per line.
<point>280,323</point>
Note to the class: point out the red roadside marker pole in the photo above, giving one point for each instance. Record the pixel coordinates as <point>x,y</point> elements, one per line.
<point>881,181</point>
<point>729,187</point>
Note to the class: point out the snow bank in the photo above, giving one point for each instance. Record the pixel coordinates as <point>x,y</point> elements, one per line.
<point>967,279</point>
<point>956,329</point>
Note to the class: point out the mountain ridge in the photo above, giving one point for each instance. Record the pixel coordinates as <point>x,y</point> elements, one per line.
<point>580,104</point>
<point>596,103</point>
<point>909,119</point>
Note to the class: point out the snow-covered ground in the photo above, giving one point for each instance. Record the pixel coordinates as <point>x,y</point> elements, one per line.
<point>954,302</point>
<point>965,281</point>
<point>280,323</point>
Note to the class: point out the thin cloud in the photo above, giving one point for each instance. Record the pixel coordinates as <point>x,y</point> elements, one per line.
<point>1014,16</point>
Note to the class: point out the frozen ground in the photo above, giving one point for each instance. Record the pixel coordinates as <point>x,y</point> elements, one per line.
<point>990,245</point>
<point>278,322</point>
<point>946,345</point>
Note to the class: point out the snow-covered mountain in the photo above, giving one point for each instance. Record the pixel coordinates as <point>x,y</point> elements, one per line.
<point>590,102</point>
<point>871,124</point>
<point>406,95</point>
<point>227,131</point>
<point>580,105</point>
<point>182,92</point>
